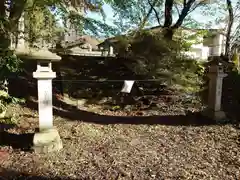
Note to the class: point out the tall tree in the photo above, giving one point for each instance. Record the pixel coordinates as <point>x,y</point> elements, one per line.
<point>187,6</point>
<point>164,12</point>
<point>40,24</point>
<point>11,11</point>
<point>136,14</point>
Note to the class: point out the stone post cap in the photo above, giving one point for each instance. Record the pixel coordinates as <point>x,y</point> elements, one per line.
<point>216,71</point>
<point>215,68</point>
<point>37,54</point>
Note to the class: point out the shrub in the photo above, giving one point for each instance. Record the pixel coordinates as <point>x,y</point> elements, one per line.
<point>9,63</point>
<point>150,55</point>
<point>236,61</point>
<point>5,100</point>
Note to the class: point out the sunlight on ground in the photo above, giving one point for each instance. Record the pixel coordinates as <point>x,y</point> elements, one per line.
<point>132,151</point>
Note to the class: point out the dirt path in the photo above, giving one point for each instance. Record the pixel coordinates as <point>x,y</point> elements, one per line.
<point>127,151</point>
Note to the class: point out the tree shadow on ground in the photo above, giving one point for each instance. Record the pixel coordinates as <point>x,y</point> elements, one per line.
<point>89,68</point>
<point>16,141</point>
<point>12,174</point>
<point>72,113</point>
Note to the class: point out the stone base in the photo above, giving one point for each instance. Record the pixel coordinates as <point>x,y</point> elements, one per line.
<point>218,116</point>
<point>47,141</point>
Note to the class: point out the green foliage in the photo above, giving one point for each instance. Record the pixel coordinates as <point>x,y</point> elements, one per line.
<point>190,37</point>
<point>9,63</point>
<point>91,26</point>
<point>115,108</point>
<point>41,18</point>
<point>9,120</point>
<point>129,14</point>
<point>5,100</point>
<point>40,24</point>
<point>236,62</point>
<point>149,55</point>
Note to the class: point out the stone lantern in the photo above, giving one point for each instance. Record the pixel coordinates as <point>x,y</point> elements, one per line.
<point>47,139</point>
<point>215,75</point>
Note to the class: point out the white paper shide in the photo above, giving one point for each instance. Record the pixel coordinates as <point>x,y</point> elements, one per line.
<point>127,86</point>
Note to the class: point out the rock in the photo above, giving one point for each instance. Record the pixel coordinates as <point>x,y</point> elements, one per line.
<point>47,141</point>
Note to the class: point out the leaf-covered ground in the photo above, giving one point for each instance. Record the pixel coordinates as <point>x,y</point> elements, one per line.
<point>139,149</point>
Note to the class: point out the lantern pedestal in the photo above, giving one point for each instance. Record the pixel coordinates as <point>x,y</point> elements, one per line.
<point>47,140</point>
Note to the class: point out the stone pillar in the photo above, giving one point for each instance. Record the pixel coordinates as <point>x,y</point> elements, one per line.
<point>47,139</point>
<point>45,98</point>
<point>216,75</point>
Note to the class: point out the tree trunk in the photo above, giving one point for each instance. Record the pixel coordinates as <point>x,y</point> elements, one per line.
<point>168,13</point>
<point>229,28</point>
<point>168,33</point>
<point>170,29</point>
<point>4,34</point>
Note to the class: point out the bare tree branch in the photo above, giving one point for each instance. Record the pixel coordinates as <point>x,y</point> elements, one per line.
<point>197,5</point>
<point>175,5</point>
<point>148,14</point>
<point>155,11</point>
<point>183,14</point>
<point>184,2</point>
